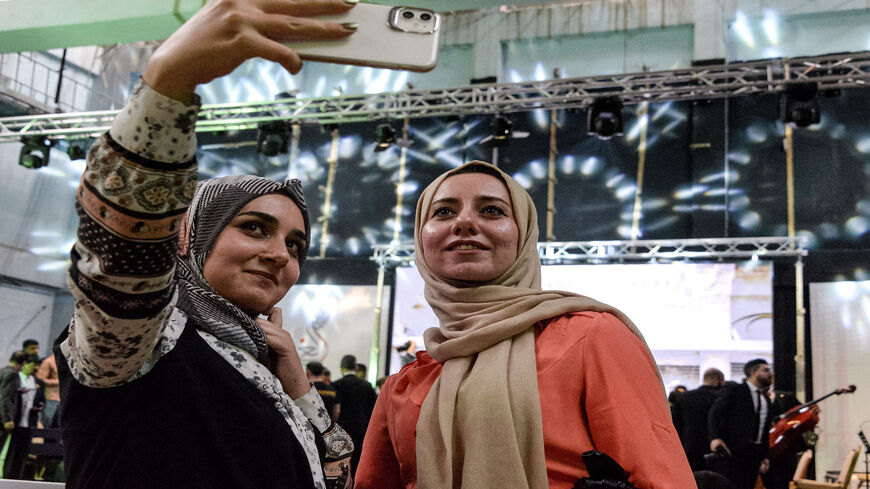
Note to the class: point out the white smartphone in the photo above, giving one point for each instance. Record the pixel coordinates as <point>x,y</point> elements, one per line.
<point>403,38</point>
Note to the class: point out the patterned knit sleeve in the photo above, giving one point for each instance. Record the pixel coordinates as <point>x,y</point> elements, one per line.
<point>139,181</point>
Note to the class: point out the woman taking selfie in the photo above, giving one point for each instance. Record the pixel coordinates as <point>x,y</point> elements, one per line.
<point>175,370</point>
<point>516,383</point>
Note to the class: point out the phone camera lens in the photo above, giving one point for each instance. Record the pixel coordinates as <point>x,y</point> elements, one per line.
<point>408,14</point>
<point>425,17</point>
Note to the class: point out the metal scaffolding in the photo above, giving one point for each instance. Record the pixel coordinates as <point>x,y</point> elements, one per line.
<point>640,251</point>
<point>700,82</point>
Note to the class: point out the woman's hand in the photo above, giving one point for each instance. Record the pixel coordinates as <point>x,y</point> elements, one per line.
<point>224,33</point>
<point>284,361</point>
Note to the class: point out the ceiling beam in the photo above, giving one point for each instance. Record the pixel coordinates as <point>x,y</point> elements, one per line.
<point>30,25</point>
<point>51,24</point>
<point>700,82</point>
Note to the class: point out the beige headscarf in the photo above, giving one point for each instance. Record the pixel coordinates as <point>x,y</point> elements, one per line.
<point>480,425</point>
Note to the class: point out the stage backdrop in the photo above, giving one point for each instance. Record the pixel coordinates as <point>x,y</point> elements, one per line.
<point>330,321</point>
<point>840,319</point>
<point>24,313</point>
<point>693,315</point>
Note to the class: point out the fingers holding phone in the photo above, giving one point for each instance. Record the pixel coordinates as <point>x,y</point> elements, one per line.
<point>405,38</point>
<point>225,33</point>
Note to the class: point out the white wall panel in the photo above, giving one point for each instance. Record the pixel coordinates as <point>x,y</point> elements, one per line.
<point>840,324</point>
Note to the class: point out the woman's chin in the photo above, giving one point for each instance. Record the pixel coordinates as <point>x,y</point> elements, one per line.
<point>253,310</point>
<point>471,278</point>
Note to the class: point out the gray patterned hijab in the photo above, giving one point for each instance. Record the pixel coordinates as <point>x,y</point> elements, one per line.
<point>215,203</point>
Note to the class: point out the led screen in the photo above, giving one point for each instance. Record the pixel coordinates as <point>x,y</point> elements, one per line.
<point>330,321</point>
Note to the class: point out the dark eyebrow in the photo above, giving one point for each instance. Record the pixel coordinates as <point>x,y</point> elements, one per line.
<point>482,198</point>
<point>445,200</point>
<point>269,218</point>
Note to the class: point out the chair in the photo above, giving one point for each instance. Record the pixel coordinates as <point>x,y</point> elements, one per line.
<point>45,454</point>
<point>842,480</point>
<point>45,443</point>
<point>803,464</point>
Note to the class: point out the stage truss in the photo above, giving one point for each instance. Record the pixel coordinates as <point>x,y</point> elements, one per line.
<point>700,82</point>
<point>642,251</point>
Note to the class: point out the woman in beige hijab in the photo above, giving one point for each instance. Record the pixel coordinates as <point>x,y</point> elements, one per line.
<point>516,383</point>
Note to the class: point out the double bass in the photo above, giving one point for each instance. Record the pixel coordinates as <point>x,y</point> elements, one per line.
<point>790,426</point>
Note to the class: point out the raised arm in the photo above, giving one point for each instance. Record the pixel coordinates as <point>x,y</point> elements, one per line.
<point>224,33</point>
<point>141,176</point>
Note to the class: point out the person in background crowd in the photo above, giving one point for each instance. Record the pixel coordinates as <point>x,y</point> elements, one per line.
<point>10,402</point>
<point>380,383</point>
<point>406,352</point>
<point>738,423</point>
<point>361,371</point>
<point>50,468</point>
<point>357,401</point>
<point>690,413</point>
<point>315,370</point>
<point>48,373</point>
<point>677,392</point>
<point>176,344</point>
<point>31,400</point>
<point>327,376</point>
<point>31,347</point>
<point>516,383</point>
<point>707,479</point>
<point>783,466</point>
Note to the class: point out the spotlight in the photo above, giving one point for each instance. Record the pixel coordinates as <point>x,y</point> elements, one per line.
<point>386,136</point>
<point>35,151</point>
<point>604,118</point>
<point>799,105</point>
<point>272,138</point>
<point>77,150</point>
<point>286,94</point>
<point>501,130</point>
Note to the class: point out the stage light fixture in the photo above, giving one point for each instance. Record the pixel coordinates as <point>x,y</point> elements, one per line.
<point>799,105</point>
<point>604,118</point>
<point>35,151</point>
<point>77,150</point>
<point>501,130</point>
<point>386,136</point>
<point>272,138</point>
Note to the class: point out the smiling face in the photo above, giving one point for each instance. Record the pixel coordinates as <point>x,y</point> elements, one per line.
<point>254,261</point>
<point>470,233</point>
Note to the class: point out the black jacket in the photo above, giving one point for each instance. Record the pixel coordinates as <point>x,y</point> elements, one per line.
<point>10,399</point>
<point>690,413</point>
<point>357,398</point>
<point>732,418</point>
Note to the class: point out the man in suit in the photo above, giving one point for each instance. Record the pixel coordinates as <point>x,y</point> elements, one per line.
<point>10,402</point>
<point>690,412</point>
<point>357,401</point>
<point>31,400</point>
<point>738,423</point>
<point>9,399</point>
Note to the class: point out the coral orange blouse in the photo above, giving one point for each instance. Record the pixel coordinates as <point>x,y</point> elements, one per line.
<point>598,389</point>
